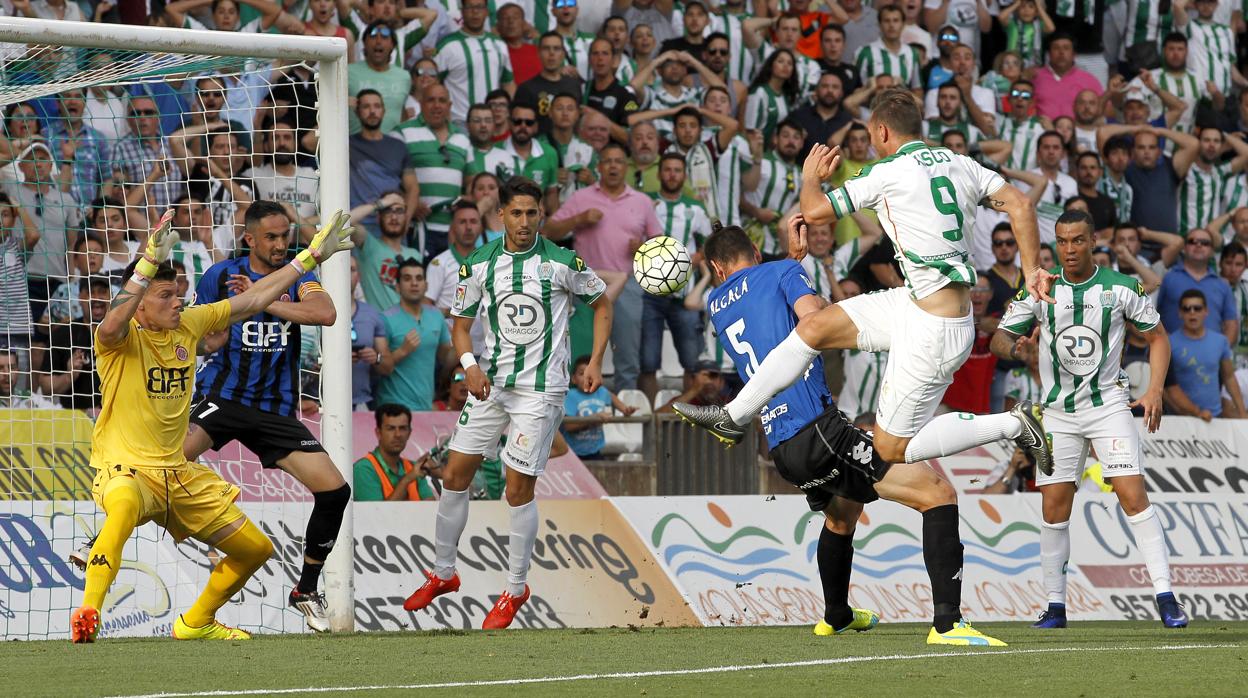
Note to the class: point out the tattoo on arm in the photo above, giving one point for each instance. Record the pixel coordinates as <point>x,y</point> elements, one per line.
<point>123,297</point>
<point>996,203</point>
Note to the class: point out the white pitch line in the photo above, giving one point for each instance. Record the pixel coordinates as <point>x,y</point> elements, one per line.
<point>970,653</point>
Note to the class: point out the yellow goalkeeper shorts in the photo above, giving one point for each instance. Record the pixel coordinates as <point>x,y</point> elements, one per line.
<point>190,501</point>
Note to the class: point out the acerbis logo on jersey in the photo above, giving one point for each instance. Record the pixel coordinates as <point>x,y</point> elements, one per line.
<point>521,319</point>
<point>1078,350</point>
<point>265,336</point>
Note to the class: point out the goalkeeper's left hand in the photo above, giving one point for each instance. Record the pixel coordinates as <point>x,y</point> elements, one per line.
<point>159,246</point>
<point>334,236</point>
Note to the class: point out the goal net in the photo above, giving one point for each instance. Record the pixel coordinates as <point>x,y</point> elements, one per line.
<point>105,127</point>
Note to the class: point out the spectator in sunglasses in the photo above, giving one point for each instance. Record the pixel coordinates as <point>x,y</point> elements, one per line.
<point>1194,272</point>
<point>378,72</point>
<point>1201,366</point>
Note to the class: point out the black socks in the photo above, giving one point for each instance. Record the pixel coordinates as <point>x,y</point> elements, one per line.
<point>942,553</point>
<point>836,559</point>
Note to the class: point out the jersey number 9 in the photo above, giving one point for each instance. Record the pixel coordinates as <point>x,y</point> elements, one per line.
<point>940,187</point>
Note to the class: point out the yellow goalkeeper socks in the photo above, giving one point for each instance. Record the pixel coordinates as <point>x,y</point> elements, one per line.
<point>122,503</point>
<point>246,550</point>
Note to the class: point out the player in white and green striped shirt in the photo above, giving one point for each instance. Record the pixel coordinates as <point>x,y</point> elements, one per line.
<point>1080,342</point>
<point>523,286</point>
<point>779,183</point>
<point>1204,191</point>
<point>473,63</point>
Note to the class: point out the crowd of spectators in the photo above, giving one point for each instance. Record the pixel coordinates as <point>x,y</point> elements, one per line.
<point>637,118</point>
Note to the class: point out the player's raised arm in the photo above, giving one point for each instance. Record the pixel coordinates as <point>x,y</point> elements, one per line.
<point>1022,213</point>
<point>820,164</point>
<point>116,323</point>
<point>334,236</point>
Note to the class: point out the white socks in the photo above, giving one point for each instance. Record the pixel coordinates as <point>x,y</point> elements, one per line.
<point>1152,543</point>
<point>957,431</point>
<point>1054,554</point>
<point>452,517</point>
<point>782,367</point>
<point>520,546</point>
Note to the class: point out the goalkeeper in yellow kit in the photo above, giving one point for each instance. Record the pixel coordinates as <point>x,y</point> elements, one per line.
<point>145,354</point>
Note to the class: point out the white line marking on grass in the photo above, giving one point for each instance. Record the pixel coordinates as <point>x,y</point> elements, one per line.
<point>673,672</point>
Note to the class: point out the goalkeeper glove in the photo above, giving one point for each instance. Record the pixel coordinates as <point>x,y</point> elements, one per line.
<point>159,246</point>
<point>334,236</point>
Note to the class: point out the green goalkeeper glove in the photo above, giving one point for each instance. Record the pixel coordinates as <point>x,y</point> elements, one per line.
<point>159,247</point>
<point>334,236</point>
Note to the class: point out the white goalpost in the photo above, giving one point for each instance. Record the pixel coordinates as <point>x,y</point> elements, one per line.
<point>42,500</point>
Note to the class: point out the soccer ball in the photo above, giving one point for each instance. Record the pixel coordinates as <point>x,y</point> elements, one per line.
<point>661,266</point>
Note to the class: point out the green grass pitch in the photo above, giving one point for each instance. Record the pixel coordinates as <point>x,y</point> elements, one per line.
<point>1093,659</point>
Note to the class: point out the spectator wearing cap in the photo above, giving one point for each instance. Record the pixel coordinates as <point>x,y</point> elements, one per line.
<point>379,256</point>
<point>383,474</point>
<point>379,161</point>
<point>1059,81</point>
<point>370,348</point>
<point>378,72</point>
<point>54,213</point>
<point>420,338</point>
<point>1201,366</point>
<point>1194,272</point>
<point>585,412</point>
<point>705,387</point>
<point>606,223</point>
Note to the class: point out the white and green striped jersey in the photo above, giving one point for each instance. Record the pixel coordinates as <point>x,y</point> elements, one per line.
<point>658,98</point>
<point>524,299</point>
<point>501,163</point>
<point>1185,86</point>
<point>808,73</point>
<point>1239,291</point>
<point>439,167</point>
<point>684,219</point>
<point>1023,134</point>
<point>1202,195</point>
<point>194,256</point>
<point>733,162</point>
<point>935,128</point>
<point>846,256</point>
<point>779,185</point>
<point>875,59</point>
<point>818,273</point>
<point>764,110</point>
<point>1119,192</point>
<point>577,155</point>
<point>406,37</point>
<point>1081,337</point>
<point>1145,23</point>
<point>471,67</point>
<point>929,225</point>
<point>864,372</point>
<point>1210,52</point>
<point>1020,385</point>
<point>626,70</point>
<point>577,49</point>
<point>742,63</point>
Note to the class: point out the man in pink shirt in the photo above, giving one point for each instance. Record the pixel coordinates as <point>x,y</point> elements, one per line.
<point>1059,82</point>
<point>607,222</point>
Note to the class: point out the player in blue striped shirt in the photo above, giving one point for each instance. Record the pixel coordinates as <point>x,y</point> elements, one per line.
<point>248,390</point>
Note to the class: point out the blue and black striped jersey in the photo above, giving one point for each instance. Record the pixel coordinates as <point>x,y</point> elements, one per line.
<point>259,365</point>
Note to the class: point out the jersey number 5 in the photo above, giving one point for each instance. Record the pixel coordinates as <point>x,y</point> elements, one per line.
<point>940,187</point>
<point>742,347</point>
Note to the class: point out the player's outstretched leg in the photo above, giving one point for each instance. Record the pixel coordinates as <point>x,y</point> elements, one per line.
<point>523,534</point>
<point>122,504</point>
<point>452,518</point>
<point>836,560</point>
<point>330,495</point>
<point>955,432</point>
<point>1151,539</point>
<point>919,487</point>
<point>246,550</point>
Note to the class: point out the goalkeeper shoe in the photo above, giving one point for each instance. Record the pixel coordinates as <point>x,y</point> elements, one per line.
<point>1172,614</point>
<point>712,418</point>
<point>312,606</point>
<point>433,587</point>
<point>504,610</point>
<point>964,635</point>
<point>84,625</point>
<point>863,620</point>
<point>80,556</point>
<point>1053,617</point>
<point>216,630</point>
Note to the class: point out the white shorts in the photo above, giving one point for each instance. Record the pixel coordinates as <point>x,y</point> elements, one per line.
<point>534,419</point>
<point>1110,430</point>
<point>924,351</point>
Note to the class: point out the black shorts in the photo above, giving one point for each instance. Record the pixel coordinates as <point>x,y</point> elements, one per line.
<point>831,457</point>
<point>270,436</point>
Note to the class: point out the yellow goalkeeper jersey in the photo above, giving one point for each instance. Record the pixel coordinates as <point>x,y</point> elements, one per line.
<point>148,381</point>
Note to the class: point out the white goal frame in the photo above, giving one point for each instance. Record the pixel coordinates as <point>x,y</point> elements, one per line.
<point>330,53</point>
